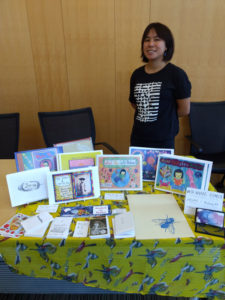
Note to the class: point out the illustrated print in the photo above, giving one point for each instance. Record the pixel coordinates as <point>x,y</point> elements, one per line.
<point>83,184</point>
<point>165,173</point>
<point>178,179</point>
<point>28,186</point>
<point>147,100</point>
<point>120,177</point>
<point>210,217</point>
<point>63,187</point>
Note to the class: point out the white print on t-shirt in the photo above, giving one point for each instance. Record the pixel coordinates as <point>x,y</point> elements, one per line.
<point>147,100</point>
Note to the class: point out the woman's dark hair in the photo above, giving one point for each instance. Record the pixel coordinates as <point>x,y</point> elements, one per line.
<point>163,33</point>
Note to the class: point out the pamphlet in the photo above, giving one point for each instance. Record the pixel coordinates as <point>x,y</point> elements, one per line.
<point>59,228</point>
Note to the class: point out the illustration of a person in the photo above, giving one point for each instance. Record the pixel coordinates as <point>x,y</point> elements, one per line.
<point>165,173</point>
<point>120,178</point>
<point>178,179</point>
<point>81,187</point>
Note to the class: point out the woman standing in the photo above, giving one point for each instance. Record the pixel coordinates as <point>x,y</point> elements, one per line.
<point>159,91</point>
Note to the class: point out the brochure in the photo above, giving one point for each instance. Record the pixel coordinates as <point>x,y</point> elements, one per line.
<point>176,173</point>
<point>120,172</point>
<point>149,160</point>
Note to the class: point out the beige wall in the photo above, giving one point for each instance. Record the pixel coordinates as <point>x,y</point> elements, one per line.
<point>67,54</point>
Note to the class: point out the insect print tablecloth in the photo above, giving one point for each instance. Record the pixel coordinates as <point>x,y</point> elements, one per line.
<point>187,267</point>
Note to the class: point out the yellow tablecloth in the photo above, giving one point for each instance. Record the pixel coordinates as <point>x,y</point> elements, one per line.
<point>186,267</point>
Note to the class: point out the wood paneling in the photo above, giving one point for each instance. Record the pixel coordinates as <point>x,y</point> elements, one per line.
<point>67,54</point>
<point>18,91</point>
<point>90,49</point>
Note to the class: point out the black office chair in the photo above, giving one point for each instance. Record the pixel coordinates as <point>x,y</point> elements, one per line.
<point>9,134</point>
<point>207,124</point>
<point>63,126</point>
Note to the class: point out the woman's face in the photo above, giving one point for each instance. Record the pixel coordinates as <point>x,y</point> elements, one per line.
<point>153,46</point>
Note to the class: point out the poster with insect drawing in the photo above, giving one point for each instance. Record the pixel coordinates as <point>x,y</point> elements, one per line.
<point>74,185</point>
<point>149,160</point>
<point>31,159</point>
<point>120,172</point>
<point>176,173</point>
<point>27,186</point>
<point>158,216</point>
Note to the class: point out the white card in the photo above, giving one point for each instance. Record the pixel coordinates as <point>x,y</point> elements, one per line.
<point>204,199</point>
<point>81,229</point>
<point>114,196</point>
<point>60,228</point>
<point>48,208</point>
<point>100,210</point>
<point>36,221</point>
<point>28,186</point>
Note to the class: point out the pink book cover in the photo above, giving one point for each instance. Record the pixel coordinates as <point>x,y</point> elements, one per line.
<point>77,163</point>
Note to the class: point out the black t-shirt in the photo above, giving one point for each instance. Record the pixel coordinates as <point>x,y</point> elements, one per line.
<point>155,97</point>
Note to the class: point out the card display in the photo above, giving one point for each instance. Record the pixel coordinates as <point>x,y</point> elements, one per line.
<point>120,172</point>
<point>176,173</point>
<point>149,160</point>
<point>79,184</point>
<point>46,157</point>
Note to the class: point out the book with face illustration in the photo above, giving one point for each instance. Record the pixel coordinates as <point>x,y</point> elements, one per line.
<point>27,186</point>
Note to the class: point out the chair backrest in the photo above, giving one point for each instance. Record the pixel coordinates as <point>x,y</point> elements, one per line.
<point>62,126</point>
<point>207,123</point>
<point>9,134</point>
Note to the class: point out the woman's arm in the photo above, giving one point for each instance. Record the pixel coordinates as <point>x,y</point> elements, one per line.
<point>133,105</point>
<point>183,107</point>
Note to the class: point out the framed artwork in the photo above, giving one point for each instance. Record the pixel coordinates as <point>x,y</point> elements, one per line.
<point>74,185</point>
<point>31,159</point>
<point>120,172</point>
<point>27,186</point>
<point>176,173</point>
<point>149,160</point>
<point>210,222</point>
<point>67,161</point>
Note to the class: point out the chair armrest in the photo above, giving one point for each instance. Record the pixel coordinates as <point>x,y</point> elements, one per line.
<point>196,145</point>
<point>109,147</point>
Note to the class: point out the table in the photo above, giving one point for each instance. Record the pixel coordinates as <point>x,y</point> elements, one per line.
<point>187,267</point>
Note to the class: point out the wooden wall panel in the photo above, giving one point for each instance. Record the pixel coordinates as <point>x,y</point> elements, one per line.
<point>198,27</point>
<point>131,18</point>
<point>90,49</point>
<point>47,38</point>
<point>17,81</point>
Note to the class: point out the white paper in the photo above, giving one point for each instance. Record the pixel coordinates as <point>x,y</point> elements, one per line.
<point>27,186</point>
<point>48,208</point>
<point>204,199</point>
<point>117,211</point>
<point>81,229</point>
<point>59,228</point>
<point>100,210</point>
<point>124,225</point>
<point>37,232</point>
<point>36,221</point>
<point>114,196</point>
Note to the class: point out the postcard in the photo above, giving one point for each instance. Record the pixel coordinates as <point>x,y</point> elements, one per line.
<point>46,157</point>
<point>28,186</point>
<point>149,160</point>
<point>176,173</point>
<point>210,222</point>
<point>73,185</point>
<point>66,159</point>
<point>120,172</point>
<point>99,228</point>
<point>13,227</point>
<point>81,145</point>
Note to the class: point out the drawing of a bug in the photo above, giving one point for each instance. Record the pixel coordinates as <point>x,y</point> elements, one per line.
<point>167,223</point>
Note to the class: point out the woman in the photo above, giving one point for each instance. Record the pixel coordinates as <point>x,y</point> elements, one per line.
<point>159,91</point>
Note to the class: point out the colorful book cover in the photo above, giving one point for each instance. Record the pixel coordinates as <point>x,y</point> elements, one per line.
<point>31,159</point>
<point>86,211</point>
<point>120,172</point>
<point>176,173</point>
<point>149,160</point>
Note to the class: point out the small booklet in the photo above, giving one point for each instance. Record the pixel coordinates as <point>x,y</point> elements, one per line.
<point>86,211</point>
<point>59,228</point>
<point>13,227</point>
<point>81,229</point>
<point>37,225</point>
<point>124,226</point>
<point>99,228</point>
